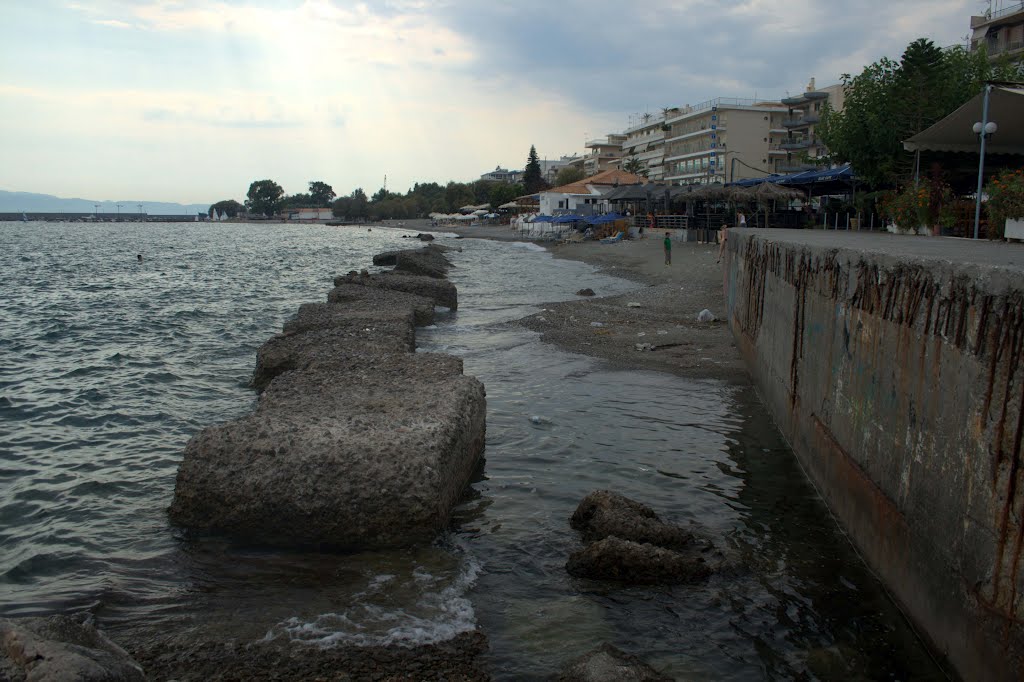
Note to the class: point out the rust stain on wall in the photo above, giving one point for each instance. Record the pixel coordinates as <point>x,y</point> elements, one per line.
<point>929,313</point>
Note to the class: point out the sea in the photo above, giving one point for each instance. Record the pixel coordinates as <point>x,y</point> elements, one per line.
<point>109,364</point>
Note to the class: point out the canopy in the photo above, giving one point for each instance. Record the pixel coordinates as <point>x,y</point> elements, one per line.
<point>955,132</point>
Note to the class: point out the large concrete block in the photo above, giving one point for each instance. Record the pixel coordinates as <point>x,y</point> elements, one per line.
<point>356,297</point>
<point>366,455</point>
<point>62,648</point>
<point>440,291</point>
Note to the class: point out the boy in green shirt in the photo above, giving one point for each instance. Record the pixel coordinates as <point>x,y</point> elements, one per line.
<point>668,248</point>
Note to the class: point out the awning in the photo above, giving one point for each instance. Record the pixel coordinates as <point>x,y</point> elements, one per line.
<point>955,132</point>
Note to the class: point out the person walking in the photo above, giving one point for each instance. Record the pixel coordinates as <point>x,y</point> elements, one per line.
<point>741,220</point>
<point>668,249</point>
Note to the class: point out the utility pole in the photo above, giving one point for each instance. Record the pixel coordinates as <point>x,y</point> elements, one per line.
<point>95,210</point>
<point>119,213</point>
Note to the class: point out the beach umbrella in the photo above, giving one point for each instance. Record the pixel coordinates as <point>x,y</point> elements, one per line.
<point>769,191</point>
<point>740,195</point>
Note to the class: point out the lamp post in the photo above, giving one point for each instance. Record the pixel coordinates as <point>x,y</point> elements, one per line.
<point>984,130</point>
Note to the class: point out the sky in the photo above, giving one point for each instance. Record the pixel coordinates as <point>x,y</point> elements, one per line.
<point>180,100</point>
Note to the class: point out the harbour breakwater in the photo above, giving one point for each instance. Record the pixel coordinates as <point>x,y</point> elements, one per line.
<point>357,441</point>
<point>895,369</point>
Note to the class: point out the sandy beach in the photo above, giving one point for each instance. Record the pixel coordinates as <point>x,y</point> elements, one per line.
<point>653,328</point>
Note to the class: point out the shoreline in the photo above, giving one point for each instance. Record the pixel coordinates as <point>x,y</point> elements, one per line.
<point>662,314</point>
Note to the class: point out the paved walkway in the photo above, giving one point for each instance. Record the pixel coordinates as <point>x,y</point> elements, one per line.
<point>949,249</point>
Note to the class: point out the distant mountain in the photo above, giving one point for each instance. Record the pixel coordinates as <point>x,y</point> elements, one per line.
<point>27,202</point>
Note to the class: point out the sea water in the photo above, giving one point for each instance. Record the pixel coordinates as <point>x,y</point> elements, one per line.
<point>108,365</point>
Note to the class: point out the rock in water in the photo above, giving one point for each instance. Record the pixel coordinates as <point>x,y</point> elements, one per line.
<point>62,648</point>
<point>636,563</point>
<point>603,513</point>
<point>343,455</point>
<point>585,292</point>
<point>607,663</point>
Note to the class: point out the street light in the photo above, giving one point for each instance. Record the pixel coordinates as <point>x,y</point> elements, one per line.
<point>984,129</point>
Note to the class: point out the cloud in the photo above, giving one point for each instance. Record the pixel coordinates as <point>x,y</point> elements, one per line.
<point>417,89</point>
<point>113,23</point>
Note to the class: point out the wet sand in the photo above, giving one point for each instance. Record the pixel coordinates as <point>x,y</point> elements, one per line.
<point>662,314</point>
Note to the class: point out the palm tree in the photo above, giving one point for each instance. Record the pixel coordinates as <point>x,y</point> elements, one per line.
<point>632,165</point>
<point>646,117</point>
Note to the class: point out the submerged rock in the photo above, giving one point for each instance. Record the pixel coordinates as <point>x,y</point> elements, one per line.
<point>607,663</point>
<point>355,454</point>
<point>62,648</point>
<point>604,513</point>
<point>585,292</point>
<point>440,291</point>
<point>636,563</point>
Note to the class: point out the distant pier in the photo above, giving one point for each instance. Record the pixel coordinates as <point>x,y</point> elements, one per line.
<point>123,217</point>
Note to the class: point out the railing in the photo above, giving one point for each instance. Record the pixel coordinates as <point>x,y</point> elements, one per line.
<point>661,222</point>
<point>1006,11</point>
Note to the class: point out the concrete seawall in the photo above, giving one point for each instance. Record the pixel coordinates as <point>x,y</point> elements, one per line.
<point>895,368</point>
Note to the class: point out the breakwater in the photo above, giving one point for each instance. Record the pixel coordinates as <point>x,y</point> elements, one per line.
<point>357,442</point>
<point>894,368</point>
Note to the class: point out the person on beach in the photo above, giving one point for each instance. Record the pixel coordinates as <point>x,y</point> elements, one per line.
<point>668,249</point>
<point>723,234</point>
<point>741,220</point>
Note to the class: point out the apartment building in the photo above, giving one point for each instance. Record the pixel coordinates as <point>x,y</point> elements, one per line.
<point>549,169</point>
<point>603,155</point>
<point>1000,31</point>
<point>722,140</point>
<point>500,174</point>
<point>643,149</point>
<point>799,148</point>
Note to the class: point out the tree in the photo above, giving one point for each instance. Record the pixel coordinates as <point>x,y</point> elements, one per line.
<point>360,205</point>
<point>533,179</point>
<point>568,175</point>
<point>296,201</point>
<point>890,101</point>
<point>229,206</point>
<point>264,197</point>
<point>321,194</point>
<point>633,165</point>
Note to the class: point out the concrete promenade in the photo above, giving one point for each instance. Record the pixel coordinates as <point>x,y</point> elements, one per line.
<point>895,368</point>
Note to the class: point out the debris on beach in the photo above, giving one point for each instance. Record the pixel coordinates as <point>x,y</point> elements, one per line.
<point>706,316</point>
<point>633,304</point>
<point>597,324</point>
<point>644,346</point>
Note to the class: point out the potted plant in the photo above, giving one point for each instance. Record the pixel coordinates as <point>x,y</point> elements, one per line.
<point>1006,204</point>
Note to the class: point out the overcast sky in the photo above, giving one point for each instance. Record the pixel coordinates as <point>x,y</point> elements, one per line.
<point>190,101</point>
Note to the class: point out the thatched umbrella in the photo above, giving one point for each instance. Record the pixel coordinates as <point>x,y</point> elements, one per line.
<point>767,193</point>
<point>740,195</point>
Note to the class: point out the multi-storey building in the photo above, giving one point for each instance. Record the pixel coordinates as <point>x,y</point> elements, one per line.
<point>722,140</point>
<point>603,155</point>
<point>500,174</point>
<point>549,169</point>
<point>643,149</point>
<point>798,147</point>
<point>1000,31</point>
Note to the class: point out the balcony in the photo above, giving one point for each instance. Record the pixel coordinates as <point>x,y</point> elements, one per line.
<point>790,145</point>
<point>800,121</point>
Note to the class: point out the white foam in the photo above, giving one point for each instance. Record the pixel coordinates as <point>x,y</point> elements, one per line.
<point>529,246</point>
<point>441,612</point>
